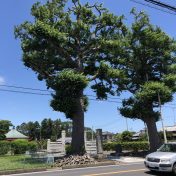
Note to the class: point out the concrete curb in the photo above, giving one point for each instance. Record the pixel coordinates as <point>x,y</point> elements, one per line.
<point>20,171</point>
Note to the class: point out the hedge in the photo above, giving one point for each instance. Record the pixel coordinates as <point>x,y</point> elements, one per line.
<point>17,146</point>
<point>21,146</point>
<point>132,146</point>
<point>4,147</point>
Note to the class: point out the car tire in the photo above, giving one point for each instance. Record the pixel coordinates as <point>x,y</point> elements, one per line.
<point>174,169</point>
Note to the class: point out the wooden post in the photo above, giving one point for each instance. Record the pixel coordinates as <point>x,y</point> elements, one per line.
<point>99,143</point>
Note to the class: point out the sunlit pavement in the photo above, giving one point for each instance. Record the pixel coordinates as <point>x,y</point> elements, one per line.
<point>135,169</point>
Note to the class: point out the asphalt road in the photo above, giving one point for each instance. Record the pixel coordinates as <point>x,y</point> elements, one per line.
<point>137,169</point>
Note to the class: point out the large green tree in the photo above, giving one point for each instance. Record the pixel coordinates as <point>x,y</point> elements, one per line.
<point>69,47</point>
<point>56,129</point>
<point>150,68</point>
<point>30,129</point>
<point>46,128</point>
<point>4,128</point>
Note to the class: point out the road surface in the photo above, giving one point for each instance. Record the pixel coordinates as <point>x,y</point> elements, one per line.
<point>137,169</point>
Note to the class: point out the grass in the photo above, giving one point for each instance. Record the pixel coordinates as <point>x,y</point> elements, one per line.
<point>20,162</point>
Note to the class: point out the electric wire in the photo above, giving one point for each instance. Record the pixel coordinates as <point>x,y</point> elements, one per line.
<point>147,5</point>
<point>50,92</point>
<point>44,90</point>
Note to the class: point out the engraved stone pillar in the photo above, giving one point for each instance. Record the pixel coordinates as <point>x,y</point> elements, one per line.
<point>48,145</point>
<point>99,143</point>
<point>63,140</point>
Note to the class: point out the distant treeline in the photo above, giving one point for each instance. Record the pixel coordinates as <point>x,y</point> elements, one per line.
<point>47,129</point>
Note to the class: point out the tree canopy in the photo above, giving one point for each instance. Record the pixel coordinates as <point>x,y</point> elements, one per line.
<point>4,128</point>
<point>150,68</point>
<point>69,48</point>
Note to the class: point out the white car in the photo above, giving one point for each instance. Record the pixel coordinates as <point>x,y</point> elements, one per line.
<point>163,160</point>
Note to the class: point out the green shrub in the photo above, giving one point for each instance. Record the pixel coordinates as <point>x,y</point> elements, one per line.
<point>42,144</point>
<point>4,147</point>
<point>21,146</point>
<point>32,146</point>
<point>68,149</point>
<point>132,146</point>
<point>126,136</point>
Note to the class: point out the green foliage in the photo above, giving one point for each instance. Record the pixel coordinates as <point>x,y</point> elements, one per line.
<point>169,135</point>
<point>41,144</point>
<point>4,128</point>
<point>143,137</point>
<point>69,149</point>
<point>30,129</point>
<point>4,147</point>
<point>118,137</point>
<point>65,99</point>
<point>21,146</point>
<point>149,65</point>
<point>126,136</point>
<point>149,61</point>
<point>151,90</point>
<point>70,47</point>
<point>65,47</point>
<point>132,146</point>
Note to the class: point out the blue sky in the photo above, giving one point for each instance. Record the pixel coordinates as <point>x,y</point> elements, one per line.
<point>20,108</point>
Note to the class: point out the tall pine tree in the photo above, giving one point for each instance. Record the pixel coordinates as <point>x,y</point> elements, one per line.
<point>70,48</point>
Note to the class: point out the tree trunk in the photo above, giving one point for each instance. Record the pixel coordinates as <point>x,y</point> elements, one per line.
<point>153,134</point>
<point>78,146</point>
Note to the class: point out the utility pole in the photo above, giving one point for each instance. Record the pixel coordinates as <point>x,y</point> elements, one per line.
<point>92,134</point>
<point>164,132</point>
<point>173,109</point>
<point>126,123</point>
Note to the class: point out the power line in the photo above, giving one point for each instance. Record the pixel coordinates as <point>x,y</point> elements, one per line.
<point>33,93</point>
<point>23,92</point>
<point>147,5</point>
<point>43,90</point>
<point>25,88</point>
<point>161,4</point>
<point>49,94</point>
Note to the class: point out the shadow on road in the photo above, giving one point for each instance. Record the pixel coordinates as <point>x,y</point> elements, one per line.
<point>158,173</point>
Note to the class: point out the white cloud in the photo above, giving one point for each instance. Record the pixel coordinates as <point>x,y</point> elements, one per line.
<point>2,80</point>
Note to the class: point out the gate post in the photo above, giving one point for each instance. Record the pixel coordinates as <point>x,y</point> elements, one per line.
<point>99,143</point>
<point>63,140</point>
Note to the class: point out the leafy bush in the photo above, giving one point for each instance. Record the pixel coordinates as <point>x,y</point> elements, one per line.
<point>132,146</point>
<point>68,149</point>
<point>126,136</point>
<point>42,144</point>
<point>32,146</point>
<point>4,147</point>
<point>118,137</point>
<point>21,146</point>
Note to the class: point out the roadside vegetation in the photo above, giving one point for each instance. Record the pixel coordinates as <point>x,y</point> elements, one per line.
<point>16,162</point>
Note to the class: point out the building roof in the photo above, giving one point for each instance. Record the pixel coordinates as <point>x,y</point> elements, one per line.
<point>138,134</point>
<point>107,133</point>
<point>14,134</point>
<point>170,128</point>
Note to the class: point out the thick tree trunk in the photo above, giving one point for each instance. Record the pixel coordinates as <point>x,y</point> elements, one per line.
<point>78,146</point>
<point>153,133</point>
